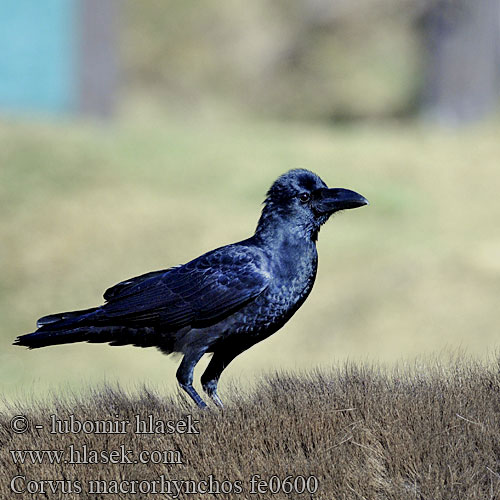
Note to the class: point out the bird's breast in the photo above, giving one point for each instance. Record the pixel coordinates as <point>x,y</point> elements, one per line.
<point>290,285</point>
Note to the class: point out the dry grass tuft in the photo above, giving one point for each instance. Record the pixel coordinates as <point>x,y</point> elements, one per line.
<point>429,432</point>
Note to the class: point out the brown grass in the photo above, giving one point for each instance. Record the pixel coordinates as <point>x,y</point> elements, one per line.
<point>426,432</point>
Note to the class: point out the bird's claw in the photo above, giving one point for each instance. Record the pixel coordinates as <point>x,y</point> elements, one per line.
<point>210,389</point>
<point>215,398</point>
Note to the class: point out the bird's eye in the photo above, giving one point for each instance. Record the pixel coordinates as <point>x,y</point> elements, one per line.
<point>304,197</point>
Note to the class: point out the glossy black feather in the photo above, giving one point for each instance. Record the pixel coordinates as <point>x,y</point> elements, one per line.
<point>122,287</point>
<point>195,294</point>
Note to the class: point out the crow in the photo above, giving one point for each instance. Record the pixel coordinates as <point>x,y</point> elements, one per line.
<point>222,302</point>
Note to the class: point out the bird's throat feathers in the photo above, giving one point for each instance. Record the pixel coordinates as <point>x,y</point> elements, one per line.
<point>277,223</point>
<point>290,246</point>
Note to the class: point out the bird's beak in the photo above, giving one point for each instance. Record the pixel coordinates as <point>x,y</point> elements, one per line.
<point>328,201</point>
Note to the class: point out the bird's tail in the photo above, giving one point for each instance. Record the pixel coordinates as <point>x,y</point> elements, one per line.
<point>60,328</point>
<point>89,326</point>
<point>71,316</point>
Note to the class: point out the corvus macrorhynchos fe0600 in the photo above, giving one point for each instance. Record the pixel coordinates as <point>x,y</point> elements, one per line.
<point>222,302</point>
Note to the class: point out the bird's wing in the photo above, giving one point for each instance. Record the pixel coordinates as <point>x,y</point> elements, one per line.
<point>121,288</point>
<point>196,294</point>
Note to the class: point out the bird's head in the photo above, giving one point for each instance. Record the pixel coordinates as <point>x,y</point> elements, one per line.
<point>302,198</point>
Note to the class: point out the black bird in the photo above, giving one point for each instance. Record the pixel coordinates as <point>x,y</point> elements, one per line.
<point>222,302</point>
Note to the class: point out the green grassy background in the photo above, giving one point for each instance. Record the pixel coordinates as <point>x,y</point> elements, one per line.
<point>84,206</point>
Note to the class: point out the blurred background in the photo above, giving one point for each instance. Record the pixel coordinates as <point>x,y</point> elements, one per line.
<point>137,135</point>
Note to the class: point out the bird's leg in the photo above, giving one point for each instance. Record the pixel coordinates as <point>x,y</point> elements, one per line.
<point>211,376</point>
<point>185,376</point>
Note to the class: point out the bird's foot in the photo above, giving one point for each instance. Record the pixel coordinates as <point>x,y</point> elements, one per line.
<point>194,395</point>
<point>211,389</point>
<point>215,398</point>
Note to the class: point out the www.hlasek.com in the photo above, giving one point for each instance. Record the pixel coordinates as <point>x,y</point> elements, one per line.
<point>85,454</point>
